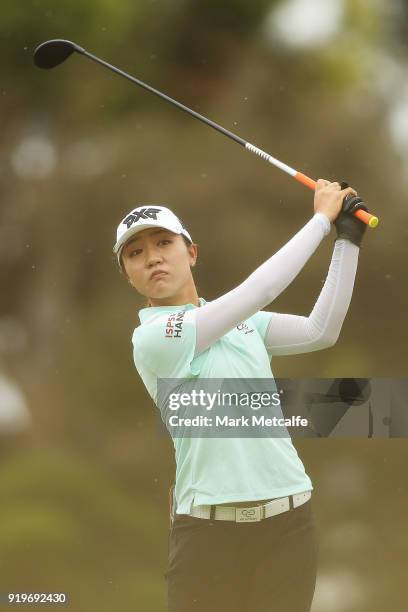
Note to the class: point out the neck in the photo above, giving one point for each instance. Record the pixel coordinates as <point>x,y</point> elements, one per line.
<point>170,302</point>
<point>187,295</point>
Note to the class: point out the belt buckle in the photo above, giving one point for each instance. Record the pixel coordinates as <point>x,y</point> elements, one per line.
<point>249,515</point>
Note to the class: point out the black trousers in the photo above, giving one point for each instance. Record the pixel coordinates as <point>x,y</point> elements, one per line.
<point>223,566</point>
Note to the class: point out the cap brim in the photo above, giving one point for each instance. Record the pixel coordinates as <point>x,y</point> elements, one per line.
<point>135,230</point>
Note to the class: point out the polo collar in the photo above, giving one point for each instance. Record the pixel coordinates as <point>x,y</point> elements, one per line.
<point>147,313</point>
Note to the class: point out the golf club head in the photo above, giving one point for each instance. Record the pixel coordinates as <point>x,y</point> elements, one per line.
<point>53,52</point>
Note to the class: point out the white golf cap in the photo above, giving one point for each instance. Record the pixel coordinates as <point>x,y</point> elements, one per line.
<point>143,217</point>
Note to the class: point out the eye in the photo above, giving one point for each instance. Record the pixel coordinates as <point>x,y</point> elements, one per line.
<point>134,252</point>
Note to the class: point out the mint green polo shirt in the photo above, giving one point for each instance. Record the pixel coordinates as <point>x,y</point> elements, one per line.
<point>216,470</point>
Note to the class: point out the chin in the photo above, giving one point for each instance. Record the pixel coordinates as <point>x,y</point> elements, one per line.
<point>159,295</point>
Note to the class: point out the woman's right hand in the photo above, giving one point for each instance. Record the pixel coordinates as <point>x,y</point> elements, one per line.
<point>329,198</point>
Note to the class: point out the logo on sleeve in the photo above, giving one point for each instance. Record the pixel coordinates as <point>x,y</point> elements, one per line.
<point>174,325</point>
<point>244,327</point>
<point>144,213</point>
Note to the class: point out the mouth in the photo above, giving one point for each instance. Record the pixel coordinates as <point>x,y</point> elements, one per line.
<point>158,274</point>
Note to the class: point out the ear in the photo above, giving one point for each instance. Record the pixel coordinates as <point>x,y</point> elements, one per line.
<point>193,250</point>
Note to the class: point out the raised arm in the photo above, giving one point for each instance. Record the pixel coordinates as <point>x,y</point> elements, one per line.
<point>289,334</point>
<point>262,286</point>
<point>218,317</point>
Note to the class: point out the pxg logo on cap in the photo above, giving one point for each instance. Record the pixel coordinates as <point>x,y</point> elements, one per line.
<point>143,213</point>
<point>144,217</point>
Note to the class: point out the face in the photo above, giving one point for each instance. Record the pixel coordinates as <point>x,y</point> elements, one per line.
<point>155,249</point>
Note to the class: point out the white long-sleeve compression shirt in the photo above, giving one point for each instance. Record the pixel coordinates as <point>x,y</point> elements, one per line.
<point>287,334</point>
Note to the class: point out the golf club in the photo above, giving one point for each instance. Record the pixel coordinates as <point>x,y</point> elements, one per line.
<point>53,52</point>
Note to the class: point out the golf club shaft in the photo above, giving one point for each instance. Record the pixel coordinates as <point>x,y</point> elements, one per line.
<point>364,216</point>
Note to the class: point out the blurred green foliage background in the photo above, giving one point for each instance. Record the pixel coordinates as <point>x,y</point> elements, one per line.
<point>321,85</point>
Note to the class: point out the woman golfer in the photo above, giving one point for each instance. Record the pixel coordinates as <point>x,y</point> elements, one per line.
<point>242,538</point>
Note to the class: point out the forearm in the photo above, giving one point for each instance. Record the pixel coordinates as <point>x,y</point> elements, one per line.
<point>272,277</point>
<point>291,334</point>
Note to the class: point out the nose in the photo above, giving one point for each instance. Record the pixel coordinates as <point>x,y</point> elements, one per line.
<point>152,256</point>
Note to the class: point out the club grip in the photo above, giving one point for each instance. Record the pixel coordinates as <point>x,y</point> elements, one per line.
<point>363,215</point>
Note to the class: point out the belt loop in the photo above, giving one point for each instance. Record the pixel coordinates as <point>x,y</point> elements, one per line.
<point>291,504</point>
<point>212,513</point>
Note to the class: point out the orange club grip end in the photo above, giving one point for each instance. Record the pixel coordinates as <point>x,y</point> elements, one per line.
<point>366,217</point>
